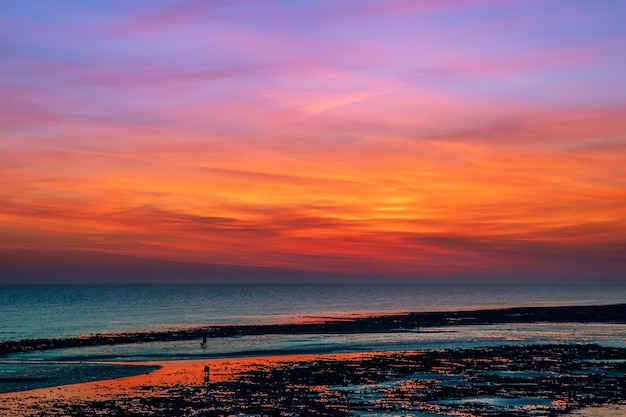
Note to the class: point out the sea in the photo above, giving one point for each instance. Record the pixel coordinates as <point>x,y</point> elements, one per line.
<point>62,311</point>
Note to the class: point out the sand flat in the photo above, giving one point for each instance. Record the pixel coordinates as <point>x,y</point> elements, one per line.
<point>524,381</point>
<point>190,373</point>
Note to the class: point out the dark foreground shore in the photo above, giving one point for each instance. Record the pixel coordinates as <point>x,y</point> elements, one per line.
<point>508,381</point>
<point>615,313</point>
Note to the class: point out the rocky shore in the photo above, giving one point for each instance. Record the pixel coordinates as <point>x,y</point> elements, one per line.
<point>509,381</point>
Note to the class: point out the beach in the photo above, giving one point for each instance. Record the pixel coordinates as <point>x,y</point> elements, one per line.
<point>514,379</point>
<point>511,381</point>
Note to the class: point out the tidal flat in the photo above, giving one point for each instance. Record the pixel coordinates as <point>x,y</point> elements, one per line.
<point>515,381</point>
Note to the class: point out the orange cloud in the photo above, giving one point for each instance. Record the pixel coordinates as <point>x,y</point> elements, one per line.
<point>395,204</point>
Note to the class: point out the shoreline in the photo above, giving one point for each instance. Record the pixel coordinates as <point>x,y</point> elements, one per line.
<point>612,313</point>
<point>514,380</point>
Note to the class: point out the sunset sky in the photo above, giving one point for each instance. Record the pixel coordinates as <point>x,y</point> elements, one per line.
<point>408,140</point>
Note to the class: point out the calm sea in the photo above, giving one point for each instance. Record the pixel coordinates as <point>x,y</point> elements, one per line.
<point>50,311</point>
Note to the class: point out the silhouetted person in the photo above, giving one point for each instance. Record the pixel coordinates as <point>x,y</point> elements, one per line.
<point>207,373</point>
<point>203,344</point>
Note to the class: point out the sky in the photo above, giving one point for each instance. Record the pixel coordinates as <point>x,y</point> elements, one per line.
<point>383,140</point>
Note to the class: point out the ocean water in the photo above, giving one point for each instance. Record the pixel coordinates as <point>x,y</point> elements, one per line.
<point>54,311</point>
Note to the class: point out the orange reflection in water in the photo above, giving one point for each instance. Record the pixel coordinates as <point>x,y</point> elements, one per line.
<point>170,374</point>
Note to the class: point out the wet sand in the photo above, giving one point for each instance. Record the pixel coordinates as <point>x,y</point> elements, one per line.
<point>515,381</point>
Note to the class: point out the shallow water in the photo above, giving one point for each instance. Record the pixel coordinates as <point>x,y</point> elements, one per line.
<point>57,362</point>
<point>449,337</point>
<point>16,376</point>
<point>54,311</point>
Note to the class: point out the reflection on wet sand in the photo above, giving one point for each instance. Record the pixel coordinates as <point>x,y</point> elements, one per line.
<point>613,410</point>
<point>516,381</point>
